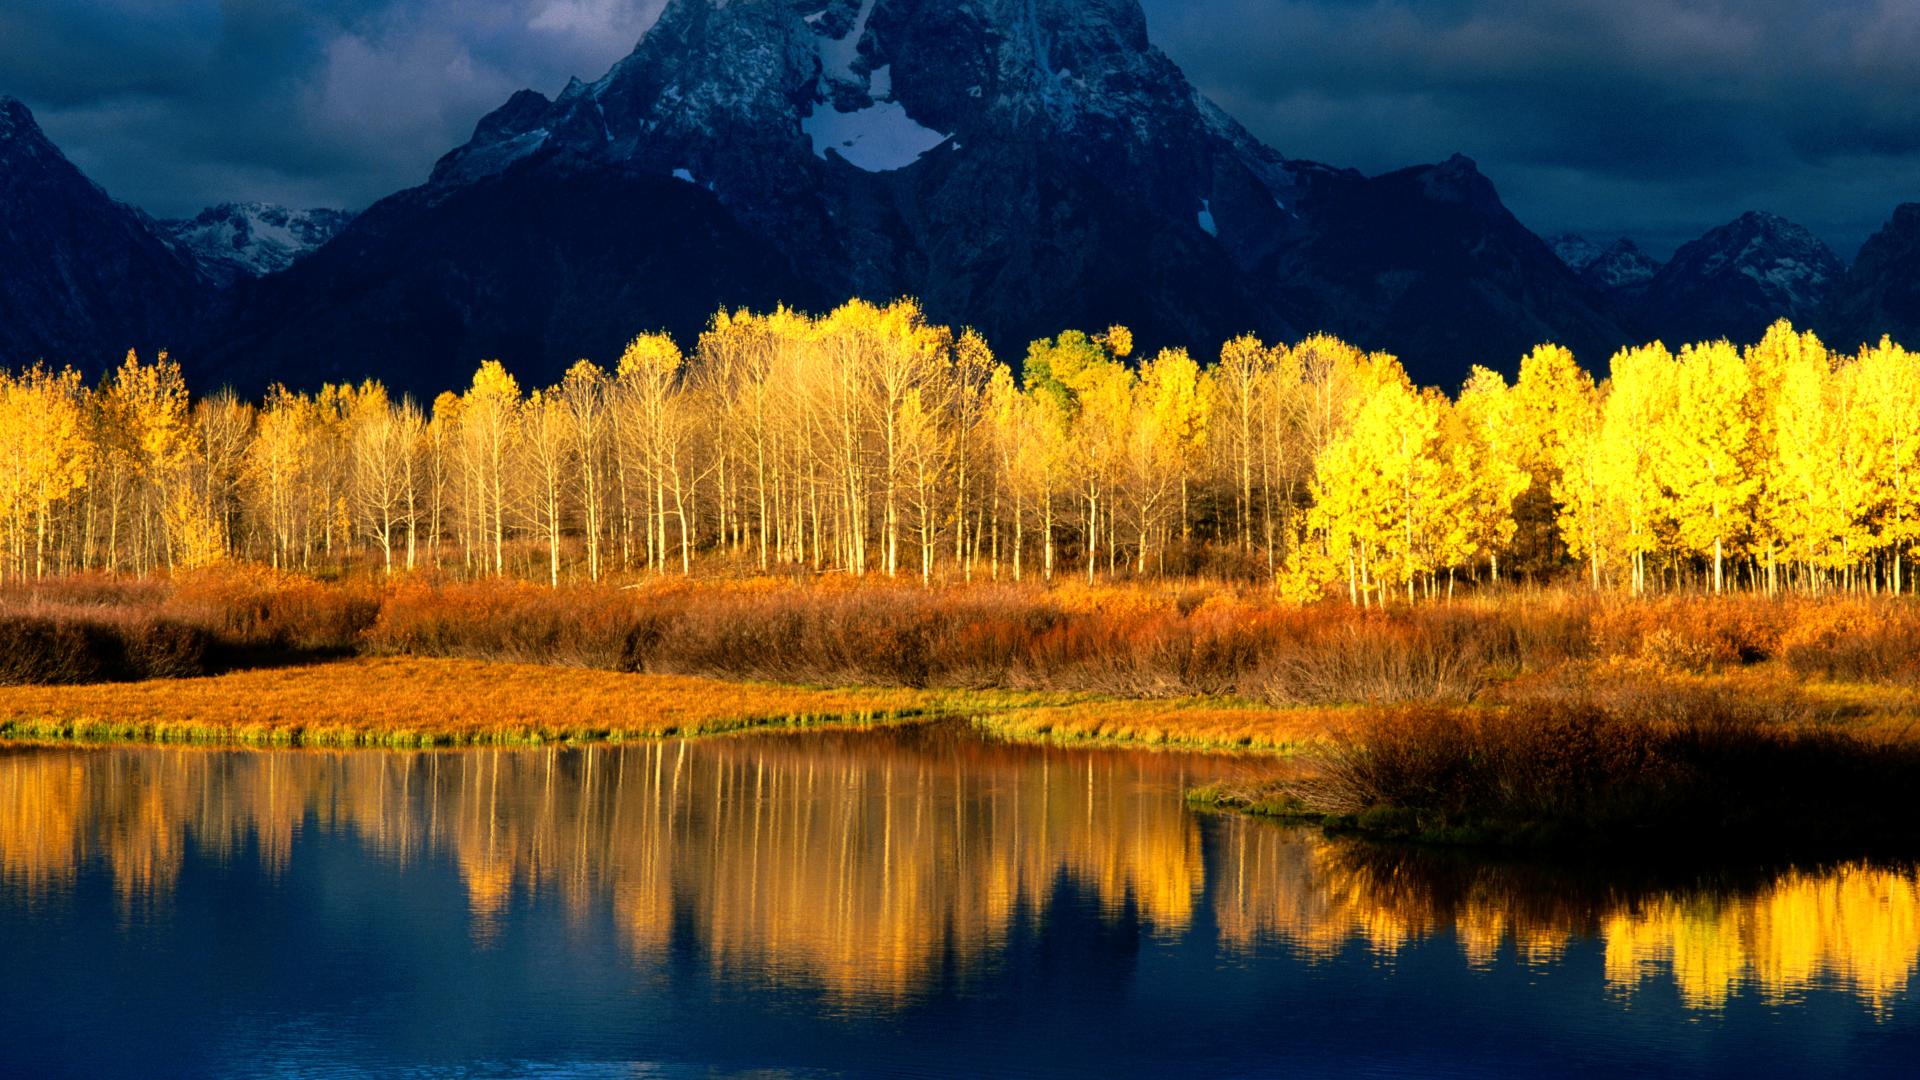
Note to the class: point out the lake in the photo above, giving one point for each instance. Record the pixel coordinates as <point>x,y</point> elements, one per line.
<point>914,901</point>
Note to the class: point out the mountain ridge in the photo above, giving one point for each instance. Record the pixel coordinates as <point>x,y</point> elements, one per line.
<point>1021,166</point>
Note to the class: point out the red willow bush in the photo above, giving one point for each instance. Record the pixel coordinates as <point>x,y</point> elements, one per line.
<point>65,648</point>
<point>97,628</point>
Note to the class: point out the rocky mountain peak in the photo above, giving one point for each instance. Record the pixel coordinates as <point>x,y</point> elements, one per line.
<point>1881,292</point>
<point>1784,264</point>
<point>1618,266</point>
<point>1738,278</point>
<point>233,241</point>
<point>22,144</point>
<point>1019,165</point>
<point>1575,250</point>
<point>95,277</point>
<point>13,114</point>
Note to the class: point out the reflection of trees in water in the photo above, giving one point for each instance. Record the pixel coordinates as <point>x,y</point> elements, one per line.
<point>859,863</point>
<point>867,864</point>
<point>1854,926</point>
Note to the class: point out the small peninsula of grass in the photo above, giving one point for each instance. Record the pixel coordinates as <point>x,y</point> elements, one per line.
<point>431,702</point>
<point>414,701</point>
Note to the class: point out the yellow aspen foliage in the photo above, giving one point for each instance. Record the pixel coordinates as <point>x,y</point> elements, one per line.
<point>43,458</point>
<point>1639,393</point>
<point>1378,490</point>
<point>853,441</point>
<point>1702,451</point>
<point>1888,378</point>
<point>1488,465</point>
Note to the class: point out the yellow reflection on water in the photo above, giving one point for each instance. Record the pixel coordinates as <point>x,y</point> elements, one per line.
<point>1854,927</point>
<point>870,867</point>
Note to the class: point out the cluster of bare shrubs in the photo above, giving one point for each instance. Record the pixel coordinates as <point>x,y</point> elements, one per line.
<point>1617,763</point>
<point>1132,641</point>
<point>1845,638</point>
<point>1141,639</point>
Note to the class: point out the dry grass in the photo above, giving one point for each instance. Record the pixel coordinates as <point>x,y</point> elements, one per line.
<point>1187,723</point>
<point>420,702</point>
<point>1181,663</point>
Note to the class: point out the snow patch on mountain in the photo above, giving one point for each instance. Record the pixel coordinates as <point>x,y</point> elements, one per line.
<point>1207,224</point>
<point>878,138</point>
<point>837,56</point>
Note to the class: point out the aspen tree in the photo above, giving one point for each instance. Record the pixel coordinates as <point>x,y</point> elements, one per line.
<point>1579,489</point>
<point>43,457</point>
<point>1488,463</point>
<point>488,412</point>
<point>1243,370</point>
<point>1802,501</point>
<point>379,448</point>
<point>1638,395</point>
<point>545,436</point>
<point>152,403</point>
<point>1702,450</point>
<point>583,394</point>
<point>1889,381</point>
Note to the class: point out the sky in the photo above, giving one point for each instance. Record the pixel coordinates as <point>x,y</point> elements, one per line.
<point>1654,119</point>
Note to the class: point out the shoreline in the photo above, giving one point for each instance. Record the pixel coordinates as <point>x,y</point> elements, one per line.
<point>423,703</point>
<point>1734,759</point>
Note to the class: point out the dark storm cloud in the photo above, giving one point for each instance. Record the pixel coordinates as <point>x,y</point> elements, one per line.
<point>1655,119</point>
<point>172,104</point>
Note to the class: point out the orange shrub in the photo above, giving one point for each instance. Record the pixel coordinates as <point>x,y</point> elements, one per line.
<point>1692,633</point>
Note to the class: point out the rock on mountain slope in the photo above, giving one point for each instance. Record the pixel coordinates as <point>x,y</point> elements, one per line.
<point>1736,280</point>
<point>1019,165</point>
<point>245,240</point>
<point>1881,293</point>
<point>86,278</point>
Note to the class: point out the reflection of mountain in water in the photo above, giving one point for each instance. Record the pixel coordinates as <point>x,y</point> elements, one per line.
<point>871,866</point>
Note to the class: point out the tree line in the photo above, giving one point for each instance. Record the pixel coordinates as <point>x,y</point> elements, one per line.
<point>869,441</point>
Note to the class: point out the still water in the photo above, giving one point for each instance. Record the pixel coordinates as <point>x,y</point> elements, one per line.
<point>907,902</point>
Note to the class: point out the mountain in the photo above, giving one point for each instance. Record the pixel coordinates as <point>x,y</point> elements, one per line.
<point>1881,293</point>
<point>87,277</point>
<point>1616,268</point>
<point>1023,166</point>
<point>1736,280</point>
<point>246,240</point>
<point>539,265</point>
<point>1427,263</point>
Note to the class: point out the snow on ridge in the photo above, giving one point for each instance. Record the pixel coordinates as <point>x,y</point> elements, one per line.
<point>878,138</point>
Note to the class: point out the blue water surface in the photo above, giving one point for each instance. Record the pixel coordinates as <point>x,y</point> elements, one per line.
<point>872,904</point>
